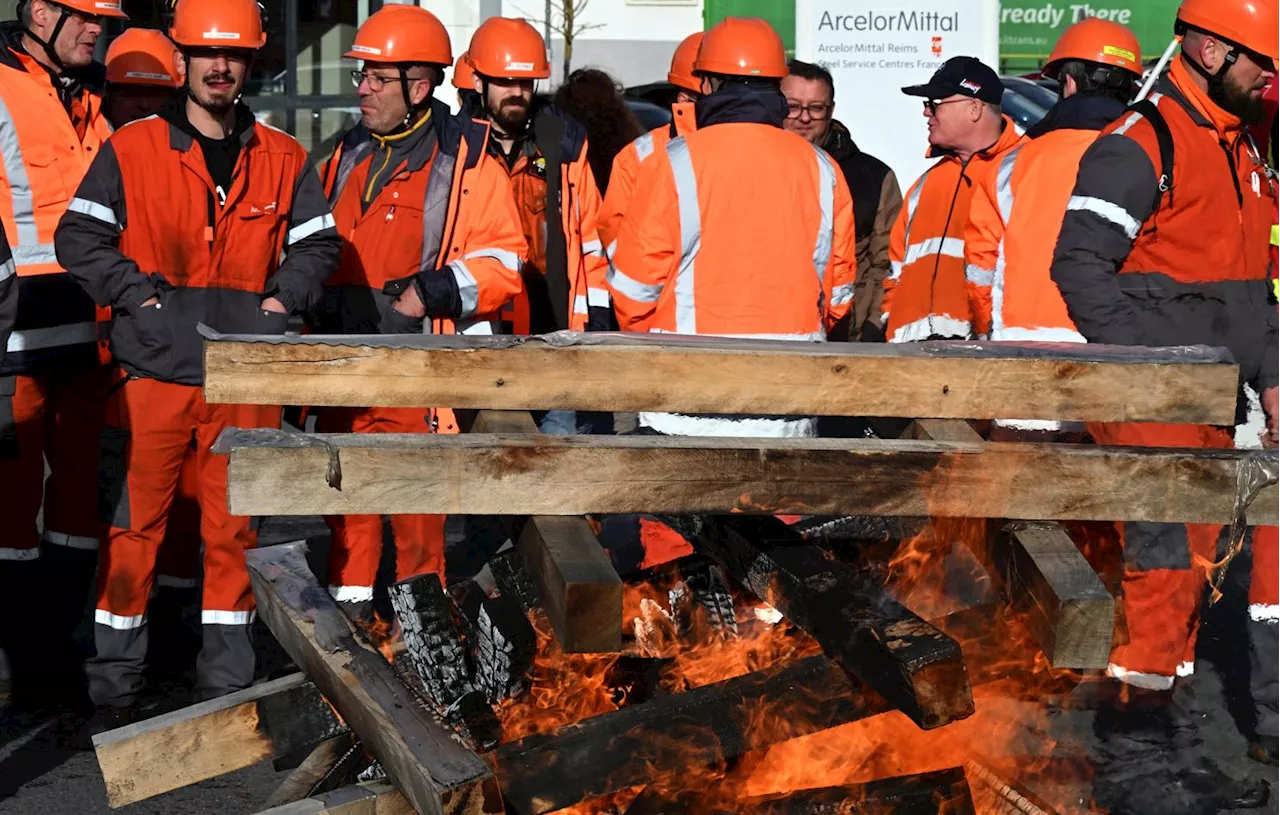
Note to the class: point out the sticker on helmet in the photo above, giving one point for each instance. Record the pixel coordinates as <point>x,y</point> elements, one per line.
<point>1116,51</point>
<point>147,75</point>
<point>107,6</point>
<point>221,35</point>
<point>519,66</point>
<point>366,49</point>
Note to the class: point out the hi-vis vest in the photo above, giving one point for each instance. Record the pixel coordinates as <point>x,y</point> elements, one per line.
<point>42,160</point>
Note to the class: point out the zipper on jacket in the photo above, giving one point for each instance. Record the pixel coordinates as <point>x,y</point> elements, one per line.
<point>946,226</point>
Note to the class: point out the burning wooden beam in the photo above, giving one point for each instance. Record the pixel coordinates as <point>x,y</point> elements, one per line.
<point>576,583</point>
<point>369,798</point>
<point>920,670</point>
<point>698,728</point>
<point>940,791</point>
<point>631,372</point>
<point>435,773</point>
<point>213,738</point>
<point>1043,573</point>
<point>276,473</point>
<point>500,641</point>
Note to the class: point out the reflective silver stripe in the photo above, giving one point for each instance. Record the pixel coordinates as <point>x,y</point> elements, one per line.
<point>509,259</point>
<point>591,247</point>
<point>579,304</point>
<point>84,542</point>
<point>1138,679</point>
<point>598,298</point>
<point>208,617</point>
<point>15,171</point>
<point>933,325</point>
<point>94,210</point>
<point>1107,211</point>
<point>895,269</point>
<point>677,424</point>
<point>1264,613</point>
<point>827,206</point>
<point>1004,199</point>
<point>468,289</point>
<point>977,275</point>
<point>104,617</point>
<point>950,247</point>
<point>34,254</point>
<point>610,249</point>
<point>690,234</point>
<point>310,227</point>
<point>351,594</point>
<point>644,146</point>
<point>913,201</point>
<point>8,269</point>
<point>170,582</point>
<point>1038,335</point>
<point>631,288</point>
<point>12,553</point>
<point>31,339</point>
<point>841,295</point>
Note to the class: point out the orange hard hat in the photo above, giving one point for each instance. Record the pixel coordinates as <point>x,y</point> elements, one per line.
<point>742,46</point>
<point>681,74</point>
<point>95,8</point>
<point>507,48</point>
<point>463,71</point>
<point>218,24</point>
<point>402,34</point>
<point>1252,24</point>
<point>143,56</point>
<point>1096,40</point>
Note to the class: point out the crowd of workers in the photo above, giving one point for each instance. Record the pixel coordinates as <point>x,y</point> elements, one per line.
<point>143,199</point>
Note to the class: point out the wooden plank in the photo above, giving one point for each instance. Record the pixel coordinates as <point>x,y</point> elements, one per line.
<point>580,591</point>
<point>629,372</point>
<point>369,798</point>
<point>701,727</point>
<point>434,772</point>
<point>915,666</point>
<point>1043,573</point>
<point>213,738</point>
<point>274,473</point>
<point>316,770</point>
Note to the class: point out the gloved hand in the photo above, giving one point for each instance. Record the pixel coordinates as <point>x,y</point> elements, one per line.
<point>431,294</point>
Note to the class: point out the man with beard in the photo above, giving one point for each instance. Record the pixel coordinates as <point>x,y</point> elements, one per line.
<point>51,379</point>
<point>1156,252</point>
<point>545,155</point>
<point>432,242</point>
<point>184,218</point>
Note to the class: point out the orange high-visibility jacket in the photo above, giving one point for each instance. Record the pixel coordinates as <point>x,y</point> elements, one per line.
<point>443,209</point>
<point>708,247</point>
<point>622,179</point>
<point>1014,220</point>
<point>926,294</point>
<point>43,156</point>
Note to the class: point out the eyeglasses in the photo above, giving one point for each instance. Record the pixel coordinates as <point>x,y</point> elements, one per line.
<point>818,110</point>
<point>931,105</point>
<point>376,81</point>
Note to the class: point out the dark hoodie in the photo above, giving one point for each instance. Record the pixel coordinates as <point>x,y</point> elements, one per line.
<point>220,155</point>
<point>738,102</point>
<point>1083,111</point>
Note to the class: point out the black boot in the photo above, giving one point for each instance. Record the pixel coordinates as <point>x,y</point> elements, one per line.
<point>105,718</point>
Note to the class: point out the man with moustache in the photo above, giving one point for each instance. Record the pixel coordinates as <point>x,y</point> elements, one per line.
<point>545,155</point>
<point>431,242</point>
<point>196,215</point>
<point>51,128</point>
<point>1163,243</point>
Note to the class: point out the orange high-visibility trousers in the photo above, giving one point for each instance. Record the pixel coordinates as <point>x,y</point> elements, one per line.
<point>178,561</point>
<point>150,430</point>
<point>1264,630</point>
<point>57,416</point>
<point>357,539</point>
<point>1165,569</point>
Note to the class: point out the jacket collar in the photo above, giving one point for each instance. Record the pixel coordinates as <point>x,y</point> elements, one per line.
<point>1084,111</point>
<point>737,103</point>
<point>839,142</point>
<point>1010,135</point>
<point>1179,84</point>
<point>182,134</point>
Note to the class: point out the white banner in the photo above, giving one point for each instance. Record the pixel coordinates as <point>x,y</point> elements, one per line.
<point>874,48</point>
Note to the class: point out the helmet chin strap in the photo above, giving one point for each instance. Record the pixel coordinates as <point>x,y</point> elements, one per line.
<point>48,47</point>
<point>1217,81</point>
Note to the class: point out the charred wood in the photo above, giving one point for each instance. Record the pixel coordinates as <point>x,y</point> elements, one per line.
<point>500,641</point>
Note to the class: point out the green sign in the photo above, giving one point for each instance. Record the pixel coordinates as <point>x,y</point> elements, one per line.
<point>1029,28</point>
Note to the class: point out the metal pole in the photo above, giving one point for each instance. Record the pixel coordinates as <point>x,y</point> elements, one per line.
<point>546,29</point>
<point>1158,69</point>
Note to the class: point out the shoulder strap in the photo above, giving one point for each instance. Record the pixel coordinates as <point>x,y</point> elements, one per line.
<point>1164,141</point>
<point>548,136</point>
